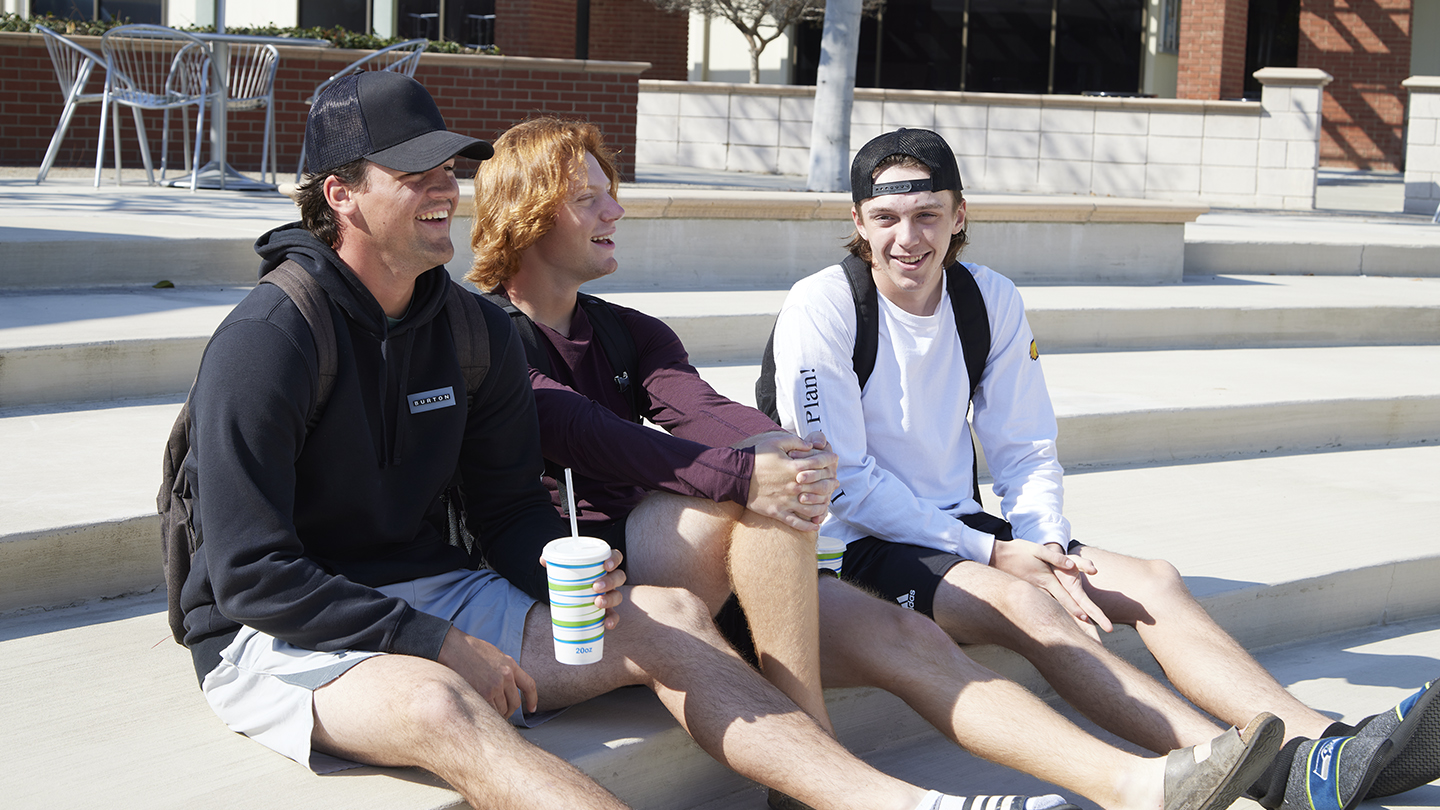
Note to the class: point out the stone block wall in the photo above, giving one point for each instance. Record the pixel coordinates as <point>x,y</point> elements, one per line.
<point>1248,154</point>
<point>1422,146</point>
<point>479,95</point>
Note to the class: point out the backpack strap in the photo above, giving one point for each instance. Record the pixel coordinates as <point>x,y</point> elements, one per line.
<point>619,347</point>
<point>180,532</point>
<point>867,316</point>
<point>535,354</point>
<point>471,334</point>
<point>610,332</point>
<point>972,320</point>
<point>314,304</point>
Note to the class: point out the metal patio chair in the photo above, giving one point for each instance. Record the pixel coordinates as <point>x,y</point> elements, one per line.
<point>402,57</point>
<point>151,67</point>
<point>73,65</point>
<point>250,83</point>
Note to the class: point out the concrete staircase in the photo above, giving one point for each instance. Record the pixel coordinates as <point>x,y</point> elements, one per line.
<point>1277,437</point>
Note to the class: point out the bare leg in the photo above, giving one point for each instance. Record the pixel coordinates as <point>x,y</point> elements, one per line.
<point>399,710</point>
<point>665,640</point>
<point>1203,662</point>
<point>869,642</point>
<point>711,549</point>
<point>977,604</point>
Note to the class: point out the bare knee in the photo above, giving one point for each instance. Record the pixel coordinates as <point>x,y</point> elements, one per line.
<point>440,704</point>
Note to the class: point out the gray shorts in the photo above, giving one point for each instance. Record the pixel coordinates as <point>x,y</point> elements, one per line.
<point>264,688</point>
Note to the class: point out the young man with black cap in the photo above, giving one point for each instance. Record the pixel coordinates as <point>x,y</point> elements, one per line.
<point>331,611</point>
<point>908,506</point>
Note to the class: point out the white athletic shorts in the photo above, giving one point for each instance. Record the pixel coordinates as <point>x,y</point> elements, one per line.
<point>264,688</point>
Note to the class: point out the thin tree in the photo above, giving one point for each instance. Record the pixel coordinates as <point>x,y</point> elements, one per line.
<point>761,22</point>
<point>834,97</point>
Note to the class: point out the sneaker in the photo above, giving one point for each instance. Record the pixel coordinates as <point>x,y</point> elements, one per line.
<point>1335,773</point>
<point>1417,756</point>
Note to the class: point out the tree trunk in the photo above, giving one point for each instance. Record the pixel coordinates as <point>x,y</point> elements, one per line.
<point>834,97</point>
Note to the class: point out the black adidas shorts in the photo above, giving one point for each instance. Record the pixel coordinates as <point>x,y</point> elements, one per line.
<point>909,575</point>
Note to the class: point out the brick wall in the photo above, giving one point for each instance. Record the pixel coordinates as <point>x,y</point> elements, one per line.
<point>478,95</point>
<point>620,30</point>
<point>1212,49</point>
<point>1365,45</point>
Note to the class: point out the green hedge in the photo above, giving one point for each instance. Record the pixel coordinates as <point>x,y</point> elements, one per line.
<point>340,37</point>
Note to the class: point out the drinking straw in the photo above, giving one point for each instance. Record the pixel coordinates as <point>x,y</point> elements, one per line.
<point>570,498</point>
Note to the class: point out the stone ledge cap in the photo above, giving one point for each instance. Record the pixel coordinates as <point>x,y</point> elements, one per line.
<point>1422,84</point>
<point>643,203</point>
<point>1297,77</point>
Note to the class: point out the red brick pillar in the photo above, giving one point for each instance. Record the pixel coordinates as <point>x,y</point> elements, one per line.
<point>1212,49</point>
<point>1365,45</point>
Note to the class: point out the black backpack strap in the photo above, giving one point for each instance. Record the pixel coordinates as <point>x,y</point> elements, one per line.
<point>972,320</point>
<point>867,316</point>
<point>471,334</point>
<point>314,304</point>
<point>180,532</point>
<point>619,347</point>
<point>535,354</point>
<point>765,383</point>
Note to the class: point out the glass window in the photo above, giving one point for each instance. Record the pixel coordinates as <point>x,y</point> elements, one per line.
<point>347,14</point>
<point>1097,46</point>
<point>135,11</point>
<point>1009,46</point>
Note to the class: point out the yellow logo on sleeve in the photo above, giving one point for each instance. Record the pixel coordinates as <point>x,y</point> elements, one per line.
<point>1034,350</point>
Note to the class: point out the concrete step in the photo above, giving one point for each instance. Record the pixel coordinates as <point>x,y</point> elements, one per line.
<point>1114,408</point>
<point>1268,544</point>
<point>101,344</point>
<point>1167,406</point>
<point>104,344</point>
<point>678,238</point>
<point>1312,243</point>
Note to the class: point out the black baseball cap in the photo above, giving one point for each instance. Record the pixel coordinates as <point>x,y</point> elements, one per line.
<point>387,118</point>
<point>921,144</point>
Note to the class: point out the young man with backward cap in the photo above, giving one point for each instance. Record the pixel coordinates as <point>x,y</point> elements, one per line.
<point>907,504</point>
<point>545,224</point>
<point>330,614</point>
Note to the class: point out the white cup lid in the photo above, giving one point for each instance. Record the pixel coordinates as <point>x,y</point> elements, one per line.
<point>576,550</point>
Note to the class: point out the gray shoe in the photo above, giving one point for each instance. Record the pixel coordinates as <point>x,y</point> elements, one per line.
<point>1237,758</point>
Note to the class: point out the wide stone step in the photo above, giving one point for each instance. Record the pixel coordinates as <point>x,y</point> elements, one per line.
<point>100,344</point>
<point>1163,406</point>
<point>1268,544</point>
<point>71,475</point>
<point>1311,243</point>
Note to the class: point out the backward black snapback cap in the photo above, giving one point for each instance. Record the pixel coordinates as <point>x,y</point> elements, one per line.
<point>387,118</point>
<point>921,144</point>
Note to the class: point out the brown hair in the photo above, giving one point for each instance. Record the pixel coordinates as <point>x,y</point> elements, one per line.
<point>859,247</point>
<point>315,212</point>
<point>519,191</point>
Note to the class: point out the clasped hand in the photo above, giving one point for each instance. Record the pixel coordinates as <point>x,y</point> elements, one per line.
<point>792,479</point>
<point>1047,567</point>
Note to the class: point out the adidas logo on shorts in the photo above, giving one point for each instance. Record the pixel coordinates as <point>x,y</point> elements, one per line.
<point>907,601</point>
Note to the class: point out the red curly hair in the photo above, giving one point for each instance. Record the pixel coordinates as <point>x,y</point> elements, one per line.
<point>536,168</point>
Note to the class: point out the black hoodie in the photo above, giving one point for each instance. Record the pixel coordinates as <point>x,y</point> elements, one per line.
<point>297,530</point>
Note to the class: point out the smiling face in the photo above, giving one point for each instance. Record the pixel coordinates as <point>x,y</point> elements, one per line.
<point>908,236</point>
<point>580,247</point>
<point>400,221</point>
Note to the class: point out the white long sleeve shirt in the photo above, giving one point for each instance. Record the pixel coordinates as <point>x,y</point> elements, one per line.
<point>905,471</point>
